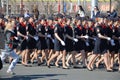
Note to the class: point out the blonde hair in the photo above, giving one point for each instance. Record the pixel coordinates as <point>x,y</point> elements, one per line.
<point>9,26</point>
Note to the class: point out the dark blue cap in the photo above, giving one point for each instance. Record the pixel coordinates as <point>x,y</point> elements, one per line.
<point>42,18</point>
<point>78,18</point>
<point>59,15</point>
<point>83,18</point>
<point>31,15</point>
<point>26,18</point>
<point>21,15</point>
<point>1,16</point>
<point>6,20</point>
<point>68,17</point>
<point>50,18</point>
<point>13,17</point>
<point>91,20</point>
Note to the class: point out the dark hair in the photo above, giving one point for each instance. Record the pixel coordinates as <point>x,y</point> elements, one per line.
<point>96,8</point>
<point>81,8</point>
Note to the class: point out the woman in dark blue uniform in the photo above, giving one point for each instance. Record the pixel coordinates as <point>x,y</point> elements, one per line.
<point>118,38</point>
<point>80,45</point>
<point>22,34</point>
<point>42,37</point>
<point>50,38</point>
<point>114,43</point>
<point>86,40</point>
<point>31,32</point>
<point>101,45</point>
<point>36,54</point>
<point>70,40</point>
<point>88,31</point>
<point>59,44</point>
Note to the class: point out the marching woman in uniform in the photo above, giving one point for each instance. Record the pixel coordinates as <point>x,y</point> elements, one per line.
<point>50,38</point>
<point>31,33</point>
<point>22,35</point>
<point>42,37</point>
<point>70,40</point>
<point>38,45</point>
<point>118,36</point>
<point>80,45</point>
<point>111,33</point>
<point>63,22</point>
<point>101,46</point>
<point>86,48</point>
<point>9,43</point>
<point>59,44</point>
<point>88,31</point>
<point>91,35</point>
<point>113,44</point>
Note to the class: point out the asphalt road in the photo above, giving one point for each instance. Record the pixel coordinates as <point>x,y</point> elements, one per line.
<point>44,73</point>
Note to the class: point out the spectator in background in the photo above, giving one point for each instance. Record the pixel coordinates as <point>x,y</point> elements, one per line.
<point>113,14</point>
<point>95,12</point>
<point>26,14</point>
<point>81,11</point>
<point>108,13</point>
<point>2,25</point>
<point>35,12</point>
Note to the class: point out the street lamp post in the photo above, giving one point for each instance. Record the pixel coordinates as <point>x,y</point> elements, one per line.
<point>7,7</point>
<point>59,6</point>
<point>21,6</point>
<point>0,3</point>
<point>63,6</point>
<point>110,5</point>
<point>78,2</point>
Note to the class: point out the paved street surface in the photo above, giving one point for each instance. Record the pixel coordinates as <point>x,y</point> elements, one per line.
<point>44,73</point>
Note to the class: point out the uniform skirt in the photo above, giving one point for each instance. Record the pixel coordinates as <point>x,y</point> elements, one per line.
<point>96,49</point>
<point>104,46</point>
<point>31,43</point>
<point>114,48</point>
<point>89,48</point>
<point>50,44</point>
<point>43,43</point>
<point>58,46</point>
<point>80,45</point>
<point>69,45</point>
<point>23,45</point>
<point>38,45</point>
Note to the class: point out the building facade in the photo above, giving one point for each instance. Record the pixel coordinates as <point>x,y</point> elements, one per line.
<point>54,6</point>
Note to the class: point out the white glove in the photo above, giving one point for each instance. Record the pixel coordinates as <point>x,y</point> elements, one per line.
<point>108,39</point>
<point>53,40</point>
<point>87,44</point>
<point>16,38</point>
<point>94,39</point>
<point>112,42</point>
<point>76,40</point>
<point>86,36</point>
<point>26,37</point>
<point>49,36</point>
<point>118,37</point>
<point>36,38</point>
<point>63,43</point>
